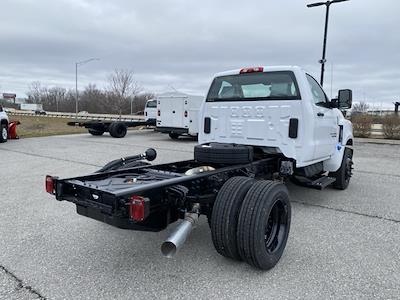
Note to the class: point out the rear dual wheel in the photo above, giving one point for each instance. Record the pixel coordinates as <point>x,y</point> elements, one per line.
<point>263,225</point>
<point>117,129</point>
<point>251,220</point>
<point>225,214</point>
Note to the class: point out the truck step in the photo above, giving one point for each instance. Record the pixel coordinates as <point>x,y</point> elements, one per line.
<point>321,182</point>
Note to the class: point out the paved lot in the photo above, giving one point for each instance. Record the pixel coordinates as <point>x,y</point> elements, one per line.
<point>342,244</point>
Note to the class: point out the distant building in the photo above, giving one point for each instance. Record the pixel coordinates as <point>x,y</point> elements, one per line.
<point>9,97</point>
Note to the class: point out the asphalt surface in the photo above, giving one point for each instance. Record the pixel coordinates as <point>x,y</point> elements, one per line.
<point>342,244</point>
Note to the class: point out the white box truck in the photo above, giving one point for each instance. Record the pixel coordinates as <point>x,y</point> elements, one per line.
<point>178,114</point>
<point>31,106</point>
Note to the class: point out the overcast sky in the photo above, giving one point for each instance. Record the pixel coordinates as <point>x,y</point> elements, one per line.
<point>182,43</point>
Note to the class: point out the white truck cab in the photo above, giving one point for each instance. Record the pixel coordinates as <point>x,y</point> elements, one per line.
<point>150,110</point>
<point>3,125</point>
<point>280,110</point>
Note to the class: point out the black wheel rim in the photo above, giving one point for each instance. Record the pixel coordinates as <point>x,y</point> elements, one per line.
<point>275,229</point>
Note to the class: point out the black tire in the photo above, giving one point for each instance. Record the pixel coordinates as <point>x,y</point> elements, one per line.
<point>3,133</point>
<point>95,132</point>
<point>344,173</point>
<point>223,153</point>
<point>174,135</point>
<point>225,215</point>
<point>117,130</point>
<point>264,224</point>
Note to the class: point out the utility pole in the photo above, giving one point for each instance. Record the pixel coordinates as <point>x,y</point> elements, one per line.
<point>396,108</point>
<point>79,63</point>
<point>323,60</point>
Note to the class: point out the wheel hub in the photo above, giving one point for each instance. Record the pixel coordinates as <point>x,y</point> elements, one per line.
<point>275,227</point>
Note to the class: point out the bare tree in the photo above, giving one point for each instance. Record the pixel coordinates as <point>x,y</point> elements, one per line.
<point>361,107</point>
<point>56,95</point>
<point>122,95</point>
<point>35,92</point>
<point>122,88</point>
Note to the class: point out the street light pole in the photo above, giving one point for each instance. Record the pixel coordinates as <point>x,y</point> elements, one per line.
<point>79,63</point>
<point>76,90</point>
<point>323,60</point>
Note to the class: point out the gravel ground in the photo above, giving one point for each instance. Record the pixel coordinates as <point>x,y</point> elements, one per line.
<point>342,245</point>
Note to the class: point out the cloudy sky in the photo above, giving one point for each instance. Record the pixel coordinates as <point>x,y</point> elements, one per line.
<point>182,43</point>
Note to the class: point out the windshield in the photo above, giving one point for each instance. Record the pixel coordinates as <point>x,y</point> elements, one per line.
<point>279,85</point>
<point>152,103</point>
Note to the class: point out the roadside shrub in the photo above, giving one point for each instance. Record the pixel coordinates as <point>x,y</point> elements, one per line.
<point>377,119</point>
<point>362,125</point>
<point>391,127</point>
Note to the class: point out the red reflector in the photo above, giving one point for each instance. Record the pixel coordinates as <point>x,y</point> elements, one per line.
<point>49,184</point>
<point>137,208</point>
<point>186,114</point>
<point>252,70</point>
<point>158,112</point>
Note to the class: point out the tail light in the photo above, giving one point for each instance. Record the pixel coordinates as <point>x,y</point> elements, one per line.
<point>50,184</point>
<point>158,112</point>
<point>139,208</point>
<point>185,114</point>
<point>252,70</point>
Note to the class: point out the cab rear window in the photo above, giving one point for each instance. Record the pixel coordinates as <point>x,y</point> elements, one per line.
<point>151,104</point>
<point>279,85</point>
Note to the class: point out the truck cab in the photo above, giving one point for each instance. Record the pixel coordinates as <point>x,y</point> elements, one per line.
<point>3,125</point>
<point>279,110</point>
<point>150,110</point>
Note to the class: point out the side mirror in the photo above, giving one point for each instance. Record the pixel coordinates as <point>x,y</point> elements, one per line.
<point>345,99</point>
<point>1,108</point>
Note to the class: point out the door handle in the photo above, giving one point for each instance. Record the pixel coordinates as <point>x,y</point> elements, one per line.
<point>320,114</point>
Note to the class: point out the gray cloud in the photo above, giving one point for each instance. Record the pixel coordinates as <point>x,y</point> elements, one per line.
<point>181,43</point>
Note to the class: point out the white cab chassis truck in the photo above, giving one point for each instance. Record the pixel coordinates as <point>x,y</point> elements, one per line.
<point>259,127</point>
<point>3,125</point>
<point>178,114</point>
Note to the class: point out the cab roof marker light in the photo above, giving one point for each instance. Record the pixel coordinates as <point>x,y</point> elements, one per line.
<point>251,70</point>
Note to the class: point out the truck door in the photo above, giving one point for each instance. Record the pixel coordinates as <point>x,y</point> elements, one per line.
<point>326,127</point>
<point>171,111</point>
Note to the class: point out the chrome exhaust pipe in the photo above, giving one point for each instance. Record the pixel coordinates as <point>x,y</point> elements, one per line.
<point>178,237</point>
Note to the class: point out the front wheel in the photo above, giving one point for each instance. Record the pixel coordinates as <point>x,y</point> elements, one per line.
<point>3,133</point>
<point>264,223</point>
<point>345,171</point>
